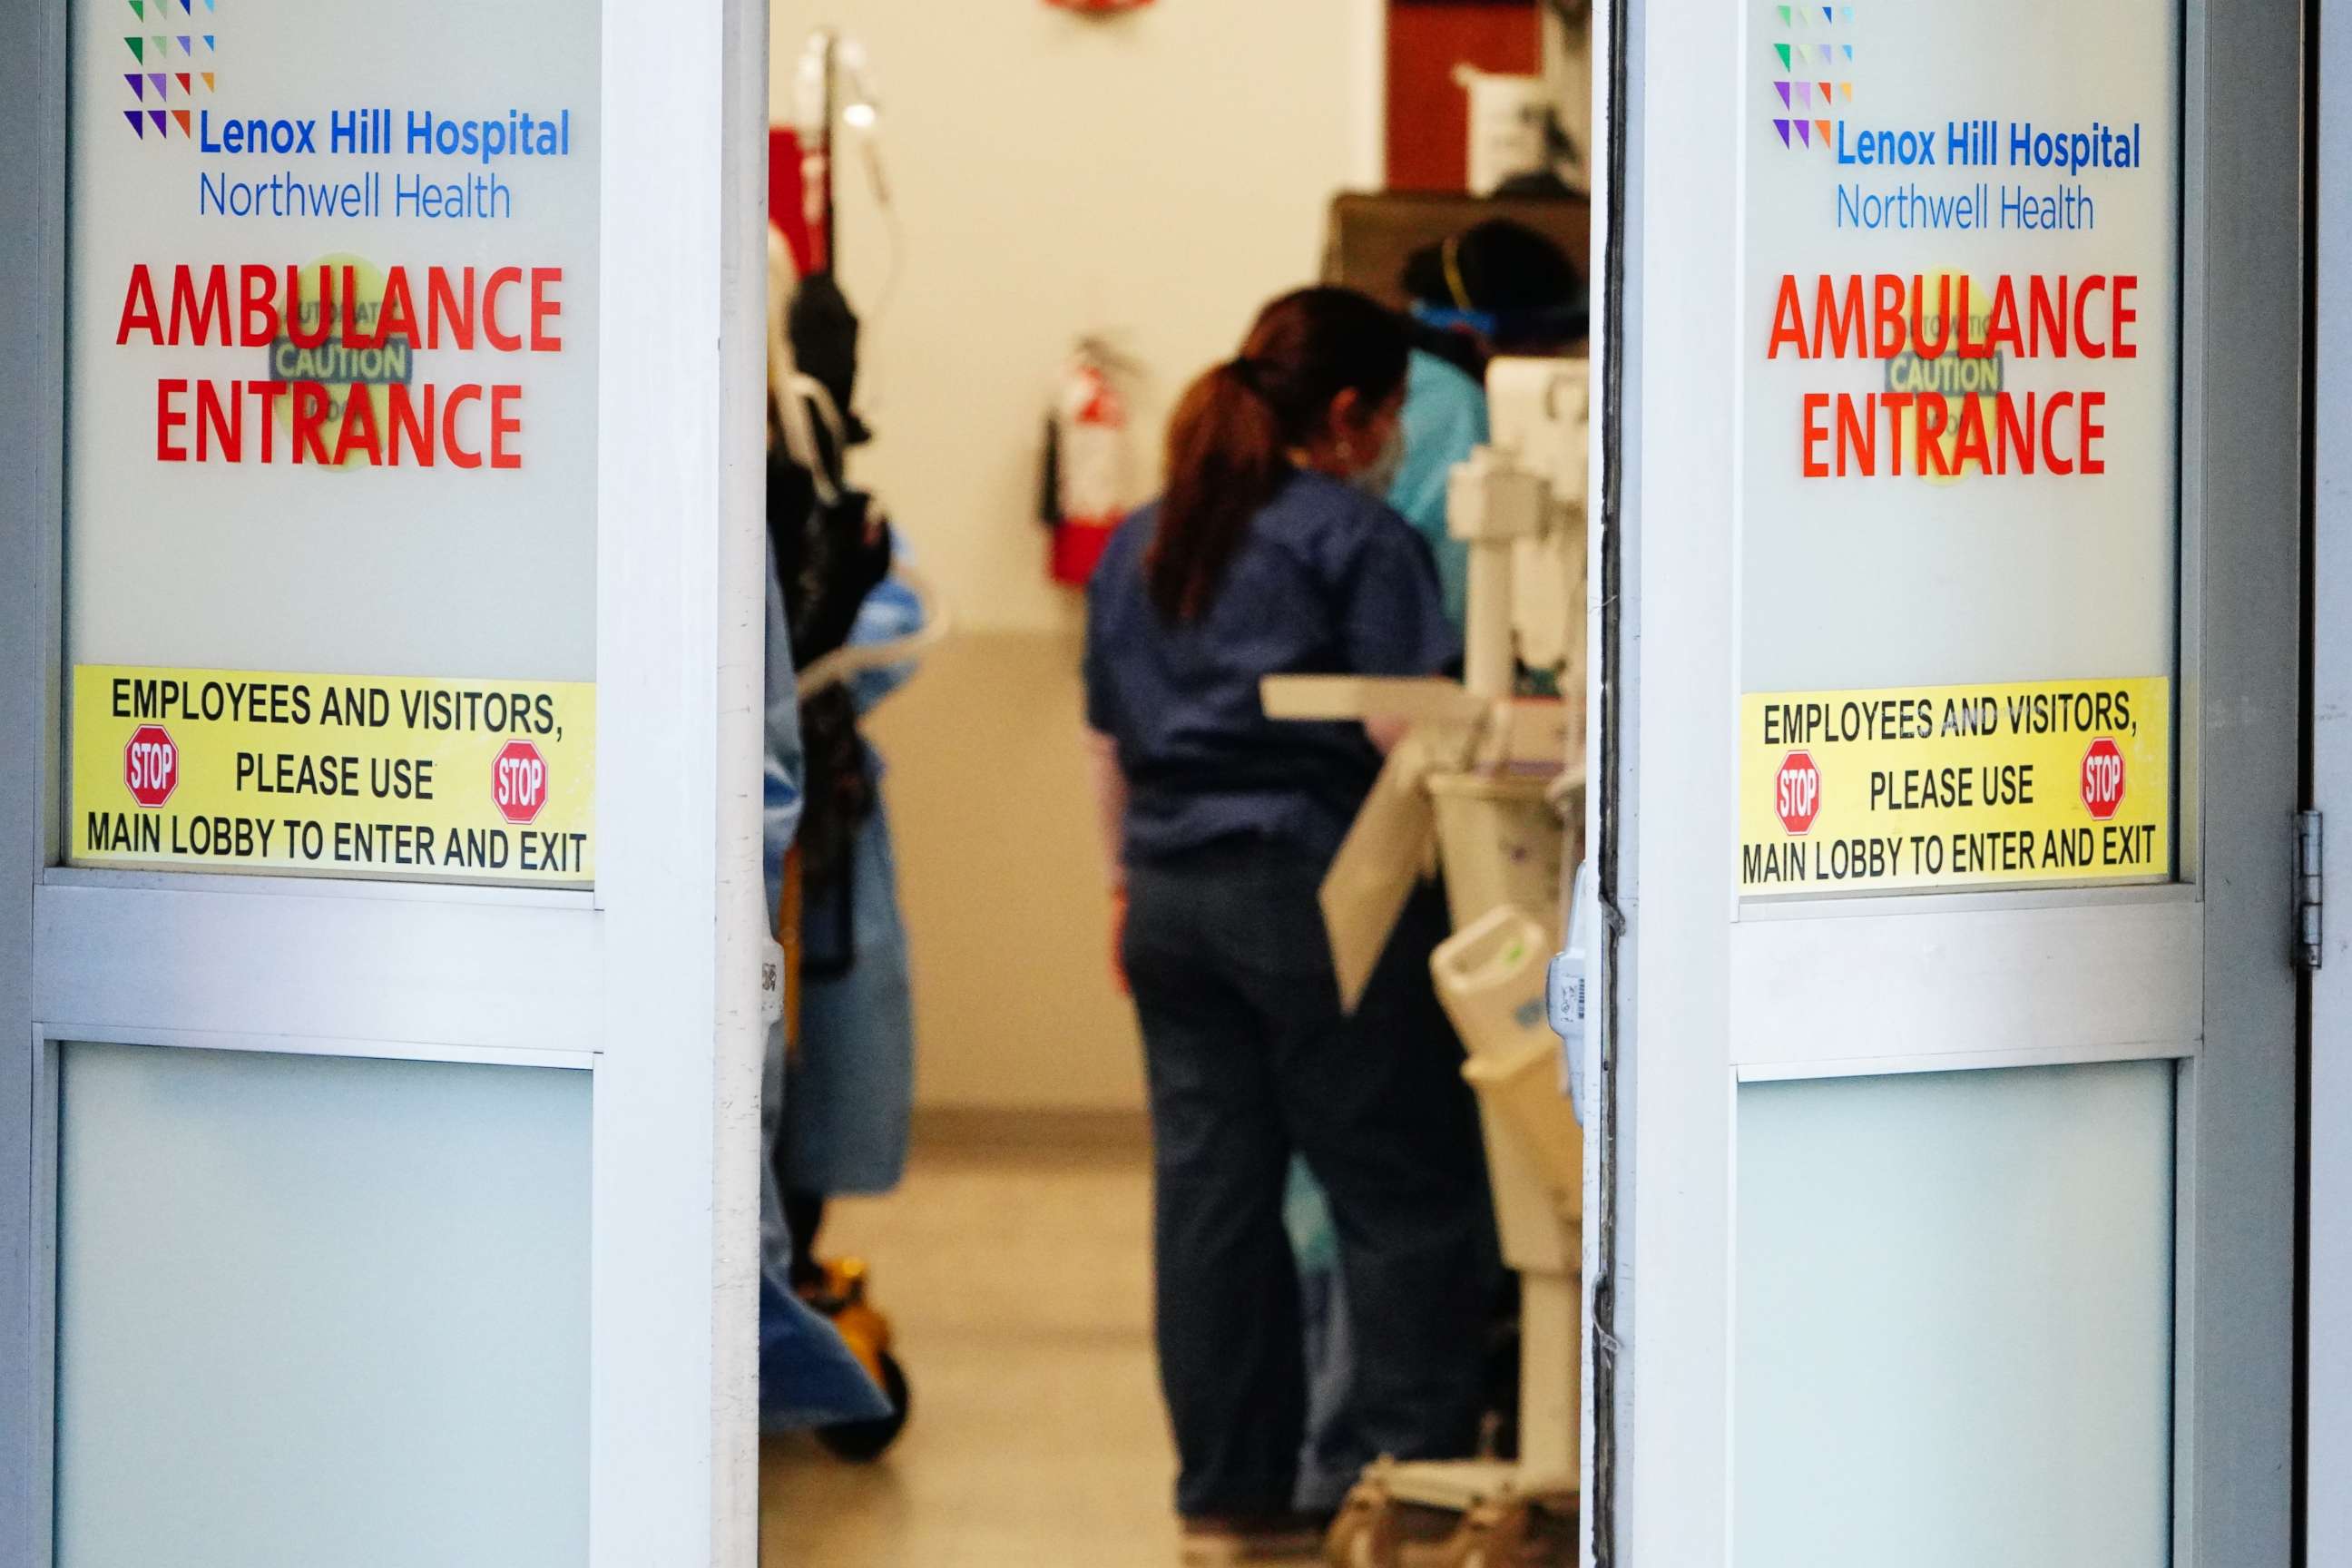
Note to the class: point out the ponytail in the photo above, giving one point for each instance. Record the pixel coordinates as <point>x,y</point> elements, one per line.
<point>1230,440</point>
<point>1225,459</point>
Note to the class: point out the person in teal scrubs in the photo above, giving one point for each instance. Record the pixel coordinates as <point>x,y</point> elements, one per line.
<point>1497,287</point>
<point>1444,420</point>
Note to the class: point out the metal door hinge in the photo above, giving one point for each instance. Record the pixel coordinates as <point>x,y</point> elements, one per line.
<point>2309,889</point>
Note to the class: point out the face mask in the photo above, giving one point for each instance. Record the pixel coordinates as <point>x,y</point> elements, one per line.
<point>1380,478</point>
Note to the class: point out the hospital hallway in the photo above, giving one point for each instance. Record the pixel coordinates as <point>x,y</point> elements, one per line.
<point>1018,1281</point>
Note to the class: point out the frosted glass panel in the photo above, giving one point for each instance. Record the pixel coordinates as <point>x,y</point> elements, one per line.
<point>1955,1320</point>
<point>320,1313</point>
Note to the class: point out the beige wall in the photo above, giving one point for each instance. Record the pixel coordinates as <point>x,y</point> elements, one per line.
<point>1154,178</point>
<point>1001,876</point>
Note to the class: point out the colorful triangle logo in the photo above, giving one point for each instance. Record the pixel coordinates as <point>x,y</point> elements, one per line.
<point>208,45</point>
<point>1804,133</point>
<point>1823,127</point>
<point>139,9</point>
<point>1825,91</point>
<point>156,115</point>
<point>1779,125</point>
<point>183,4</point>
<point>185,46</point>
<point>1784,93</point>
<point>210,87</point>
<point>1825,53</point>
<point>182,116</point>
<point>139,51</point>
<point>1829,13</point>
<point>184,89</point>
<point>1784,14</point>
<point>1845,91</point>
<point>1780,50</point>
<point>156,77</point>
<point>139,85</point>
<point>1804,92</point>
<point>139,123</point>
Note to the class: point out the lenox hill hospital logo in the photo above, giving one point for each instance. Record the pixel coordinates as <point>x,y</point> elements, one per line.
<point>1809,66</point>
<point>305,160</point>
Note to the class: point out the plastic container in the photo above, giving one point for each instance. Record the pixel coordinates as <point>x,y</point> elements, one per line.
<point>1506,125</point>
<point>1520,1094</point>
<point>1501,842</point>
<point>1490,978</point>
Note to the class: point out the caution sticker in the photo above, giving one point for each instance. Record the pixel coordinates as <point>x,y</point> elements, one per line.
<point>456,781</point>
<point>1954,786</point>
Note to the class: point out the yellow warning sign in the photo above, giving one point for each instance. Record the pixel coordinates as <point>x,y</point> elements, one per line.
<point>457,781</point>
<point>1952,786</point>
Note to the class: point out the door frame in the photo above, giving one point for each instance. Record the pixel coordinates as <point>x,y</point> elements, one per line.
<point>32,413</point>
<point>2328,1316</point>
<point>649,982</point>
<point>2201,966</point>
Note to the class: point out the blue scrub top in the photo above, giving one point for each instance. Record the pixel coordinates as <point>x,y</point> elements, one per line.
<point>1328,581</point>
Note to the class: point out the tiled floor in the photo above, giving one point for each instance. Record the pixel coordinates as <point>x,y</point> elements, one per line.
<point>1019,1285</point>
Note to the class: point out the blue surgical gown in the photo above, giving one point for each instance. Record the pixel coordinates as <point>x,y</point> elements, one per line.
<point>807,1377</point>
<point>851,1087</point>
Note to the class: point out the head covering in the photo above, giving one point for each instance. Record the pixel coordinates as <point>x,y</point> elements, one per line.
<point>1503,278</point>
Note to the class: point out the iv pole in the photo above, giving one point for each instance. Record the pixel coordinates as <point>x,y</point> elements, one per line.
<point>816,101</point>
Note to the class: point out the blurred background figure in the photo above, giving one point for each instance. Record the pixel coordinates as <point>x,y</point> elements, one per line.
<point>841,1078</point>
<point>1496,287</point>
<point>807,1375</point>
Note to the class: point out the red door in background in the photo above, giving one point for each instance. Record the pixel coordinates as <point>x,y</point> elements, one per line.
<point>1428,129</point>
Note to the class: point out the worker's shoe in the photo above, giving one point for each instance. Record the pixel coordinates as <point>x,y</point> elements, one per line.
<point>1215,1542</point>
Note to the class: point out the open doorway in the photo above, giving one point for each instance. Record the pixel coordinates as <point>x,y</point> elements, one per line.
<point>1024,206</point>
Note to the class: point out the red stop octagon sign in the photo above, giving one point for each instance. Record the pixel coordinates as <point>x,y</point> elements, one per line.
<point>150,765</point>
<point>1797,793</point>
<point>519,782</point>
<point>2103,778</point>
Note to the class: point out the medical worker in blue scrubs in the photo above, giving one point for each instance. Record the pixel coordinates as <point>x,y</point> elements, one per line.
<point>1266,555</point>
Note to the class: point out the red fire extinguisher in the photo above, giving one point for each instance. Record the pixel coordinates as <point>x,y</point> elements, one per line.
<point>1089,478</point>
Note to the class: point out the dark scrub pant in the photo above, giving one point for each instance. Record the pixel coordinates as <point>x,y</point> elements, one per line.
<point>1249,1057</point>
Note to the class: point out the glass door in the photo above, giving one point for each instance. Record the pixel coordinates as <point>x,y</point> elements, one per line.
<point>378,985</point>
<point>1950,1101</point>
